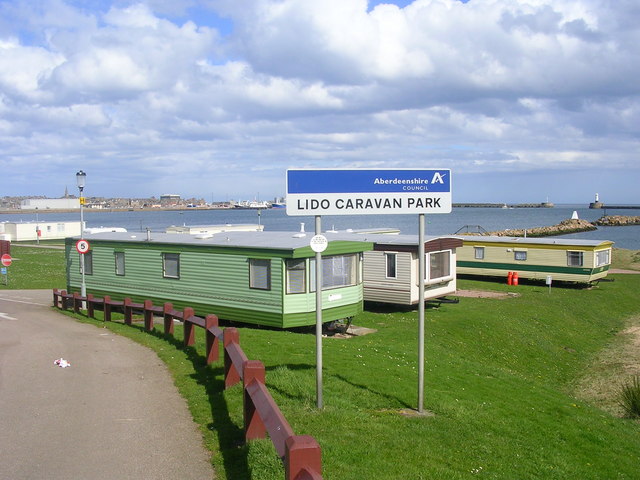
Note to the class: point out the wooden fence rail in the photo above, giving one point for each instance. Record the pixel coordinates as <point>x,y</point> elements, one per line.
<point>300,454</point>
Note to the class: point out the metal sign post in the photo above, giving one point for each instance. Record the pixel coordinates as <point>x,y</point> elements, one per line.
<point>318,249</point>
<point>421,275</point>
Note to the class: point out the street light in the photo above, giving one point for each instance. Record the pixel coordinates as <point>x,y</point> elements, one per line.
<point>80,180</point>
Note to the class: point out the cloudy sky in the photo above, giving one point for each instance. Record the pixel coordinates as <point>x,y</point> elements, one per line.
<point>523,100</point>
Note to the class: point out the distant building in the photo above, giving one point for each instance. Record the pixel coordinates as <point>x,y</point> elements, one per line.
<point>50,204</point>
<point>169,199</point>
<point>25,231</point>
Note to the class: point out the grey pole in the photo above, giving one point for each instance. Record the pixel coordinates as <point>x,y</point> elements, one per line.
<point>319,318</point>
<point>421,274</point>
<point>80,178</point>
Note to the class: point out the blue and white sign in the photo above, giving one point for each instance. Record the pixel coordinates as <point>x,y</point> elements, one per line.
<point>368,191</point>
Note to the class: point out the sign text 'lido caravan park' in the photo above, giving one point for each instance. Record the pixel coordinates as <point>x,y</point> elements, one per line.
<point>361,192</point>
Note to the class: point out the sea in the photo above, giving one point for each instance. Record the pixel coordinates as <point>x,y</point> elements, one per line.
<point>461,219</point>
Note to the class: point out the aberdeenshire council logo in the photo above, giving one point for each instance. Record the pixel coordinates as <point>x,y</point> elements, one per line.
<point>412,184</point>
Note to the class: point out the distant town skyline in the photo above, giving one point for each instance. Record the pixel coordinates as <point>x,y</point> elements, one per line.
<point>523,101</point>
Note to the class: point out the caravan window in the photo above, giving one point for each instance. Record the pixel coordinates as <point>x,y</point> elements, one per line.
<point>171,265</point>
<point>260,273</point>
<point>119,260</point>
<point>390,261</point>
<point>338,271</point>
<point>296,272</point>
<point>520,255</point>
<point>88,263</point>
<point>603,257</point>
<point>439,265</point>
<point>478,253</point>
<point>575,259</point>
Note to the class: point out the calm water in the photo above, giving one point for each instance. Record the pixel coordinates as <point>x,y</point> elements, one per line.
<point>277,219</point>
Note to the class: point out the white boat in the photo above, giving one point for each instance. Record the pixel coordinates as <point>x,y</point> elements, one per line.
<point>254,205</point>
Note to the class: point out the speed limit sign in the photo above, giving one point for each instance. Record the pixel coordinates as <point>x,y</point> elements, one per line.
<point>82,246</point>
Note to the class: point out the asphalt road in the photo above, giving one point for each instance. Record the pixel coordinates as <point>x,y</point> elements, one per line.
<point>113,414</point>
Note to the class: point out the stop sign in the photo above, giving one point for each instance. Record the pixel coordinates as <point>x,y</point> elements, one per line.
<point>6,259</point>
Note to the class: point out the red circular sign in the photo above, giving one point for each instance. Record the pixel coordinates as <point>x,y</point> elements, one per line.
<point>6,260</point>
<point>82,246</point>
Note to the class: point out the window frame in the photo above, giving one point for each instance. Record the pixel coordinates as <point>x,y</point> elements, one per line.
<point>478,250</point>
<point>428,270</point>
<point>253,275</point>
<point>520,253</point>
<point>293,265</point>
<point>607,261</point>
<point>572,256</point>
<point>119,272</point>
<point>354,272</point>
<point>165,258</point>
<point>391,264</point>
<point>87,262</point>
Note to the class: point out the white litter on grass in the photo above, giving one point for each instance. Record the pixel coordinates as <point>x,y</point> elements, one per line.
<point>61,362</point>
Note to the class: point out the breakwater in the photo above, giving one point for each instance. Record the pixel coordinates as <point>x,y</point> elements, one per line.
<point>504,205</point>
<point>617,221</point>
<point>568,226</point>
<point>602,206</point>
<point>562,228</point>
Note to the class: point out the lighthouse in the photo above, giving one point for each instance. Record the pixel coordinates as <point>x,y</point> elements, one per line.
<point>596,203</point>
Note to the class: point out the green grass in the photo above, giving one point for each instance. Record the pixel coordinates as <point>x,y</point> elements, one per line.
<point>34,268</point>
<point>500,383</point>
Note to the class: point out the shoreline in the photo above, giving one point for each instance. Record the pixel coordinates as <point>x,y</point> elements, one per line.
<point>110,210</point>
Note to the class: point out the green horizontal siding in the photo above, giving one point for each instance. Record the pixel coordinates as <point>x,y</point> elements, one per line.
<point>328,315</point>
<point>523,267</point>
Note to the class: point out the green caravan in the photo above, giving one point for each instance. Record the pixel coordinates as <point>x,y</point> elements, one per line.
<point>264,278</point>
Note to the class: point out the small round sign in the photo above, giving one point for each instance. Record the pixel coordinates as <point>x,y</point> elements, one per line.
<point>319,243</point>
<point>6,260</point>
<point>82,246</point>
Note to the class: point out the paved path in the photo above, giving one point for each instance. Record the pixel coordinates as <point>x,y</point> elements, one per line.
<point>114,414</point>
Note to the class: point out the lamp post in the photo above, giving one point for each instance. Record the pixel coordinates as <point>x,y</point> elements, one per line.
<point>37,228</point>
<point>80,179</point>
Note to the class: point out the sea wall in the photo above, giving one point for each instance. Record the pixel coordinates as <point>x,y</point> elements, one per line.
<point>617,221</point>
<point>564,227</point>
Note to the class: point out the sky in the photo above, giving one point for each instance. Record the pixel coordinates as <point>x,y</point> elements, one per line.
<point>525,101</point>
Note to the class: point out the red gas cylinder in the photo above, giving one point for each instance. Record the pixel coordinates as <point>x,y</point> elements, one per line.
<point>510,278</point>
<point>515,278</point>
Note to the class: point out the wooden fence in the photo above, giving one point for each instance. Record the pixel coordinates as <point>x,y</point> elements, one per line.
<point>300,454</point>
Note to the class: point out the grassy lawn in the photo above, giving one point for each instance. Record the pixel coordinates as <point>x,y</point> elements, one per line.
<point>505,386</point>
<point>34,267</point>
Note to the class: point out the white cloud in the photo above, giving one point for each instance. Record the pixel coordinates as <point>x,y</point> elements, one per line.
<point>492,84</point>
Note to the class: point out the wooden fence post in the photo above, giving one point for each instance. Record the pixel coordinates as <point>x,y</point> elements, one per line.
<point>231,376</point>
<point>168,318</point>
<point>302,452</point>
<point>63,300</point>
<point>107,308</point>
<point>211,340</point>
<point>128,311</point>
<point>253,425</point>
<point>90,306</point>
<point>148,315</point>
<point>55,297</point>
<point>76,302</point>
<point>189,332</point>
